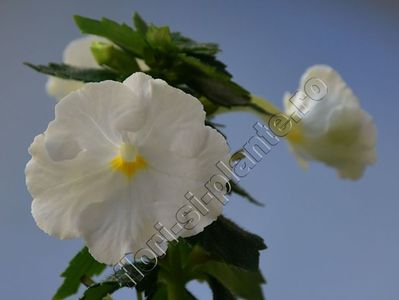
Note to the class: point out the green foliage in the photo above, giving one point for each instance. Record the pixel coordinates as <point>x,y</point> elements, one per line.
<point>83,264</point>
<point>179,60</point>
<point>238,281</point>
<point>230,243</point>
<point>81,74</point>
<point>120,34</point>
<point>184,263</point>
<point>114,58</point>
<point>219,291</point>
<point>224,255</point>
<point>100,291</point>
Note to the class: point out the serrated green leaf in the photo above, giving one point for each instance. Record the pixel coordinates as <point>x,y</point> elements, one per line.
<point>100,291</point>
<point>221,239</point>
<point>83,264</point>
<point>191,47</point>
<point>80,74</point>
<point>208,81</point>
<point>120,34</point>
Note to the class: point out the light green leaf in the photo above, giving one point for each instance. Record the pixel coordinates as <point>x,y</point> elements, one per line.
<point>114,58</point>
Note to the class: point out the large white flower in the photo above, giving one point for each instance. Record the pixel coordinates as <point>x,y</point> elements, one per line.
<point>78,54</point>
<point>117,159</point>
<point>335,130</point>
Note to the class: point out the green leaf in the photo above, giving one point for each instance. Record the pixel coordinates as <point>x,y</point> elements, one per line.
<point>221,239</point>
<point>208,81</point>
<point>219,291</point>
<point>140,24</point>
<point>160,38</point>
<point>114,58</point>
<point>235,188</point>
<point>120,34</point>
<point>83,264</point>
<point>80,74</point>
<point>100,291</point>
<point>242,283</point>
<point>191,47</point>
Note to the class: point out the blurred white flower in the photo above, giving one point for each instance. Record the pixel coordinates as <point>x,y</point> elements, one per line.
<point>335,130</point>
<point>78,54</point>
<point>117,159</point>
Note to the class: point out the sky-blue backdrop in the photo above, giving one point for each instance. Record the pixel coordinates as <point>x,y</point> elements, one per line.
<point>328,239</point>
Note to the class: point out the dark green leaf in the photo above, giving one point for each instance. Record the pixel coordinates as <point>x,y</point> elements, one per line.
<point>140,24</point>
<point>120,34</point>
<point>242,283</point>
<point>100,291</point>
<point>80,74</point>
<point>211,83</point>
<point>240,191</point>
<point>191,47</point>
<point>219,291</point>
<point>221,239</point>
<point>83,264</point>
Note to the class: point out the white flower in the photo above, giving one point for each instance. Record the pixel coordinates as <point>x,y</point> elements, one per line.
<point>117,159</point>
<point>78,54</point>
<point>335,130</point>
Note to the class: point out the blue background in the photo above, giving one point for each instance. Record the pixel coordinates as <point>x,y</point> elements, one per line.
<point>327,238</point>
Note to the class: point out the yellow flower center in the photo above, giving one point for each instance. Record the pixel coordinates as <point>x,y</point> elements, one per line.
<point>129,161</point>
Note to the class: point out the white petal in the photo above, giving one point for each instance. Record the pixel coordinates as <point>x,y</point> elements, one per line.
<point>57,210</point>
<point>125,225</point>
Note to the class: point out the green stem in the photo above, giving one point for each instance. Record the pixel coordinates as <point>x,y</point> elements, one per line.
<point>139,295</point>
<point>263,108</point>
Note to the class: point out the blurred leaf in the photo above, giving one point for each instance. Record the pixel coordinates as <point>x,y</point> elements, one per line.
<point>235,188</point>
<point>120,34</point>
<point>83,264</point>
<point>114,58</point>
<point>159,38</point>
<point>80,74</point>
<point>140,24</point>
